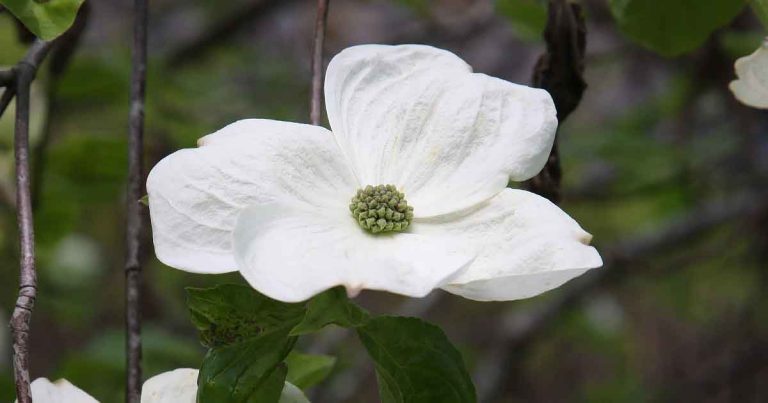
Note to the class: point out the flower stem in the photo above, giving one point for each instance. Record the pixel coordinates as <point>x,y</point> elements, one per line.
<point>316,101</point>
<point>134,217</point>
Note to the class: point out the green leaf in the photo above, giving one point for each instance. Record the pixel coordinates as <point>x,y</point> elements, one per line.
<point>760,7</point>
<point>249,371</point>
<point>527,17</point>
<point>415,362</point>
<point>330,307</point>
<point>673,27</point>
<point>248,336</point>
<point>230,313</point>
<point>307,370</point>
<point>46,19</point>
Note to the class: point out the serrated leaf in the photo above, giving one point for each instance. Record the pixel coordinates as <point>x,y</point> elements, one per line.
<point>331,307</point>
<point>307,370</point>
<point>230,313</point>
<point>46,19</point>
<point>673,27</point>
<point>250,371</point>
<point>415,362</point>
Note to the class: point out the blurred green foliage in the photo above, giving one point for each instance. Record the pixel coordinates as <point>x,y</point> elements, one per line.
<point>660,152</point>
<point>761,10</point>
<point>527,17</point>
<point>673,27</point>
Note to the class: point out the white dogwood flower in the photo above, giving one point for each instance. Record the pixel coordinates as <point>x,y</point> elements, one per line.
<point>180,386</point>
<point>751,85</point>
<point>406,193</point>
<point>60,391</point>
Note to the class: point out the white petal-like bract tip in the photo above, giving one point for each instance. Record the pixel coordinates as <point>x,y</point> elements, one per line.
<point>177,386</point>
<point>60,391</point>
<point>751,85</point>
<point>180,386</point>
<point>525,245</point>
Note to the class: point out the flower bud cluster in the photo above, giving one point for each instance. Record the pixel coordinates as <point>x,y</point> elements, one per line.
<point>381,209</point>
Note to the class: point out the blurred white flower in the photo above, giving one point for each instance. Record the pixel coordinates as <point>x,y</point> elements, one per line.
<point>61,391</point>
<point>180,386</point>
<point>604,313</point>
<point>75,262</point>
<point>406,194</point>
<point>751,85</point>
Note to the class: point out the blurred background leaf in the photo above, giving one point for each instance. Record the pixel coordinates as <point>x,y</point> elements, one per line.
<point>673,27</point>
<point>527,17</point>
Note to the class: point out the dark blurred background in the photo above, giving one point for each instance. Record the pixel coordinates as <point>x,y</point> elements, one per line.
<point>660,163</point>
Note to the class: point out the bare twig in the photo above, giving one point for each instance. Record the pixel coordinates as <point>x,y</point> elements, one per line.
<point>133,212</point>
<point>500,364</point>
<point>22,314</point>
<point>316,101</point>
<point>37,52</point>
<point>559,71</point>
<point>8,94</point>
<point>222,30</point>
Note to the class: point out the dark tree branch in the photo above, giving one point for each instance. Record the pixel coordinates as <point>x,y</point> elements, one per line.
<point>34,57</point>
<point>501,364</point>
<point>133,213</point>
<point>316,101</point>
<point>22,314</point>
<point>61,55</point>
<point>559,71</point>
<point>6,78</point>
<point>222,30</point>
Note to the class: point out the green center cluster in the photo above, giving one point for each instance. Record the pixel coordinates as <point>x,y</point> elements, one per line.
<point>381,209</point>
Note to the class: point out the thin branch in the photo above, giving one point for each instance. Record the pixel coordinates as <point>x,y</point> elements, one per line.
<point>316,101</point>
<point>222,30</point>
<point>34,57</point>
<point>559,71</point>
<point>7,97</point>
<point>133,212</point>
<point>6,77</point>
<point>500,364</point>
<point>22,313</point>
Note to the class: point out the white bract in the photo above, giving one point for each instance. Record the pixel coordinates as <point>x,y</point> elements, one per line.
<point>177,386</point>
<point>60,391</point>
<point>272,199</point>
<point>751,85</point>
<point>180,386</point>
